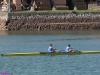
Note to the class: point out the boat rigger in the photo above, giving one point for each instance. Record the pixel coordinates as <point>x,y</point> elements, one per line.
<point>47,53</point>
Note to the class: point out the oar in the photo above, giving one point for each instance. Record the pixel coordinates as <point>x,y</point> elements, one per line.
<point>73,50</point>
<point>60,50</point>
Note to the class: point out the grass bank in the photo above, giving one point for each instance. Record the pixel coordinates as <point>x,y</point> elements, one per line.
<point>56,11</point>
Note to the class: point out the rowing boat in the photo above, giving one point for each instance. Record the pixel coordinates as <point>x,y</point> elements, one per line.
<point>47,53</point>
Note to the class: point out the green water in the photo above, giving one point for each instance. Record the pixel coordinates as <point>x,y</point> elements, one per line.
<point>28,41</point>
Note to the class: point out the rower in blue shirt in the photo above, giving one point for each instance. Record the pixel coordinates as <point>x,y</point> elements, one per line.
<point>51,49</point>
<point>69,49</point>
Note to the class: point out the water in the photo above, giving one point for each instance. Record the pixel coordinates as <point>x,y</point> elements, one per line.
<point>28,41</point>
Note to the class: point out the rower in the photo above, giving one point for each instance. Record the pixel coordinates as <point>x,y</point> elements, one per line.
<point>51,49</point>
<point>69,49</point>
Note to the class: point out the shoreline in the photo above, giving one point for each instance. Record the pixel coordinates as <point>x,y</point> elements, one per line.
<point>50,21</point>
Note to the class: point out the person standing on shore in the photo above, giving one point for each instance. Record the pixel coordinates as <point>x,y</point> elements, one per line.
<point>4,5</point>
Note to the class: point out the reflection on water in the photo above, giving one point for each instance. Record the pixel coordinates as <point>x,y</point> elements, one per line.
<point>69,32</point>
<point>54,40</point>
<point>3,33</point>
<point>58,34</point>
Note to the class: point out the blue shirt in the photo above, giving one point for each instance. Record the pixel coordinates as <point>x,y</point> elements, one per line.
<point>67,49</point>
<point>50,49</point>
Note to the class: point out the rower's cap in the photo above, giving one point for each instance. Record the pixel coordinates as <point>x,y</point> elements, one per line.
<point>68,45</point>
<point>50,44</point>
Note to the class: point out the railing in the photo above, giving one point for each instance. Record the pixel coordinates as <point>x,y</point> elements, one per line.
<point>94,6</point>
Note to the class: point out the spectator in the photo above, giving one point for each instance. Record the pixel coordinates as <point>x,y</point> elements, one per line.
<point>4,6</point>
<point>13,7</point>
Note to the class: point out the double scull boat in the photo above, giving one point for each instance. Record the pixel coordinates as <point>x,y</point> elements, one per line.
<point>47,53</point>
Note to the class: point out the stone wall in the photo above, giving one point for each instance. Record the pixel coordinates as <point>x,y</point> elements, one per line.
<point>50,21</point>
